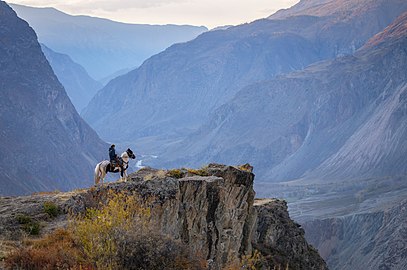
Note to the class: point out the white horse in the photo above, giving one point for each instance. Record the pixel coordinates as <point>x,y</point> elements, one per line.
<point>102,168</point>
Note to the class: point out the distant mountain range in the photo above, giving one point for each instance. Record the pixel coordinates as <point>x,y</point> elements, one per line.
<point>336,120</point>
<point>79,86</point>
<point>102,46</point>
<point>177,91</point>
<point>45,145</point>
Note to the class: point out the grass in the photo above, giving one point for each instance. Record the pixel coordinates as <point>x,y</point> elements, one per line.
<point>176,173</point>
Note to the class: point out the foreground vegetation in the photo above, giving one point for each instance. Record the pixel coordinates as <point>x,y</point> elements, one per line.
<point>112,236</point>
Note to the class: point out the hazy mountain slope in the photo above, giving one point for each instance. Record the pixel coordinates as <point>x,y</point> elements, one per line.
<point>173,92</point>
<point>380,238</point>
<point>335,120</point>
<point>102,46</point>
<point>79,86</point>
<point>45,144</point>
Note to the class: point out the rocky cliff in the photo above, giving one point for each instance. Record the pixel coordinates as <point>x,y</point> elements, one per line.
<point>45,145</point>
<point>213,214</point>
<point>380,237</point>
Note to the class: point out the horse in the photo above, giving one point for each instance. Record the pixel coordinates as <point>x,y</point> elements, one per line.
<point>103,167</point>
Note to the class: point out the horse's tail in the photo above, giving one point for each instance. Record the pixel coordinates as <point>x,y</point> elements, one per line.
<point>97,174</point>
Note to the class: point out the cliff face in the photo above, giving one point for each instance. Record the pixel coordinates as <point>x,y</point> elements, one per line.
<point>380,238</point>
<point>213,214</point>
<point>282,240</point>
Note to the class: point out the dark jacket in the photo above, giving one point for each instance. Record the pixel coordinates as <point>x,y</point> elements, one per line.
<point>112,153</point>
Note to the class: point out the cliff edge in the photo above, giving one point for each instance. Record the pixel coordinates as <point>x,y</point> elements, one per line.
<point>212,210</point>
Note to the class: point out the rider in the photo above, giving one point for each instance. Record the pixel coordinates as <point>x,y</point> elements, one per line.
<point>115,161</point>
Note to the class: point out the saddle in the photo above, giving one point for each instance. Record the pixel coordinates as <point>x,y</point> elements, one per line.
<point>115,163</point>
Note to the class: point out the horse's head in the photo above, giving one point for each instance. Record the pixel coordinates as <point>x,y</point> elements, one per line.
<point>130,153</point>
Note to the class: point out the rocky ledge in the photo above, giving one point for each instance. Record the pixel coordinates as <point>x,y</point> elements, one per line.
<point>212,210</point>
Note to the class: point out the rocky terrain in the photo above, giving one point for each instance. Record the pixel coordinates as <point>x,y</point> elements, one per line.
<point>45,145</point>
<point>214,214</point>
<point>79,86</point>
<point>102,46</point>
<point>380,236</point>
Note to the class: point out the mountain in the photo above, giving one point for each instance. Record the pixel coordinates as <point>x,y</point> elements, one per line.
<point>173,93</point>
<point>336,120</point>
<point>45,145</point>
<point>79,86</point>
<point>102,46</point>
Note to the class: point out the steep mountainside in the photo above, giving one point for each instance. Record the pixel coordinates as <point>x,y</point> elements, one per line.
<point>173,92</point>
<point>102,46</point>
<point>215,215</point>
<point>380,237</point>
<point>45,144</point>
<point>336,120</point>
<point>79,86</point>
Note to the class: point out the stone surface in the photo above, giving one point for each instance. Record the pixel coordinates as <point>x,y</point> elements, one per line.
<point>282,240</point>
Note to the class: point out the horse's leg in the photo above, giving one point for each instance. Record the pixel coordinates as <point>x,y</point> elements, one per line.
<point>97,174</point>
<point>121,173</point>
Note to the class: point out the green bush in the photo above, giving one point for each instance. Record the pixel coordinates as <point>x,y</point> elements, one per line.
<point>51,209</point>
<point>23,219</point>
<point>30,226</point>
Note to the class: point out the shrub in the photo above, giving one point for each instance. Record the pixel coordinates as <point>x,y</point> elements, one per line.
<point>246,167</point>
<point>30,226</point>
<point>155,252</point>
<point>54,251</point>
<point>201,172</point>
<point>175,173</point>
<point>51,209</point>
<point>23,219</point>
<point>98,230</point>
<point>253,261</point>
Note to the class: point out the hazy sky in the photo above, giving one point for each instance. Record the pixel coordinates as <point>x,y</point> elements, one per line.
<point>210,13</point>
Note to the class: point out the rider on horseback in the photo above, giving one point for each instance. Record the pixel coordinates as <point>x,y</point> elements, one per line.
<point>115,160</point>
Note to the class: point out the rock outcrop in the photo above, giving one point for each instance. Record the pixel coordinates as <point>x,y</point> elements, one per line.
<point>281,239</point>
<point>213,214</point>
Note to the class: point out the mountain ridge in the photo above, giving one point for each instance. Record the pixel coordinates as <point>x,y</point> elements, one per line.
<point>79,86</point>
<point>49,146</point>
<point>278,125</point>
<point>174,92</point>
<point>100,45</point>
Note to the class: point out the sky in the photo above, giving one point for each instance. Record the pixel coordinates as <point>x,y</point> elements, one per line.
<point>210,13</point>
